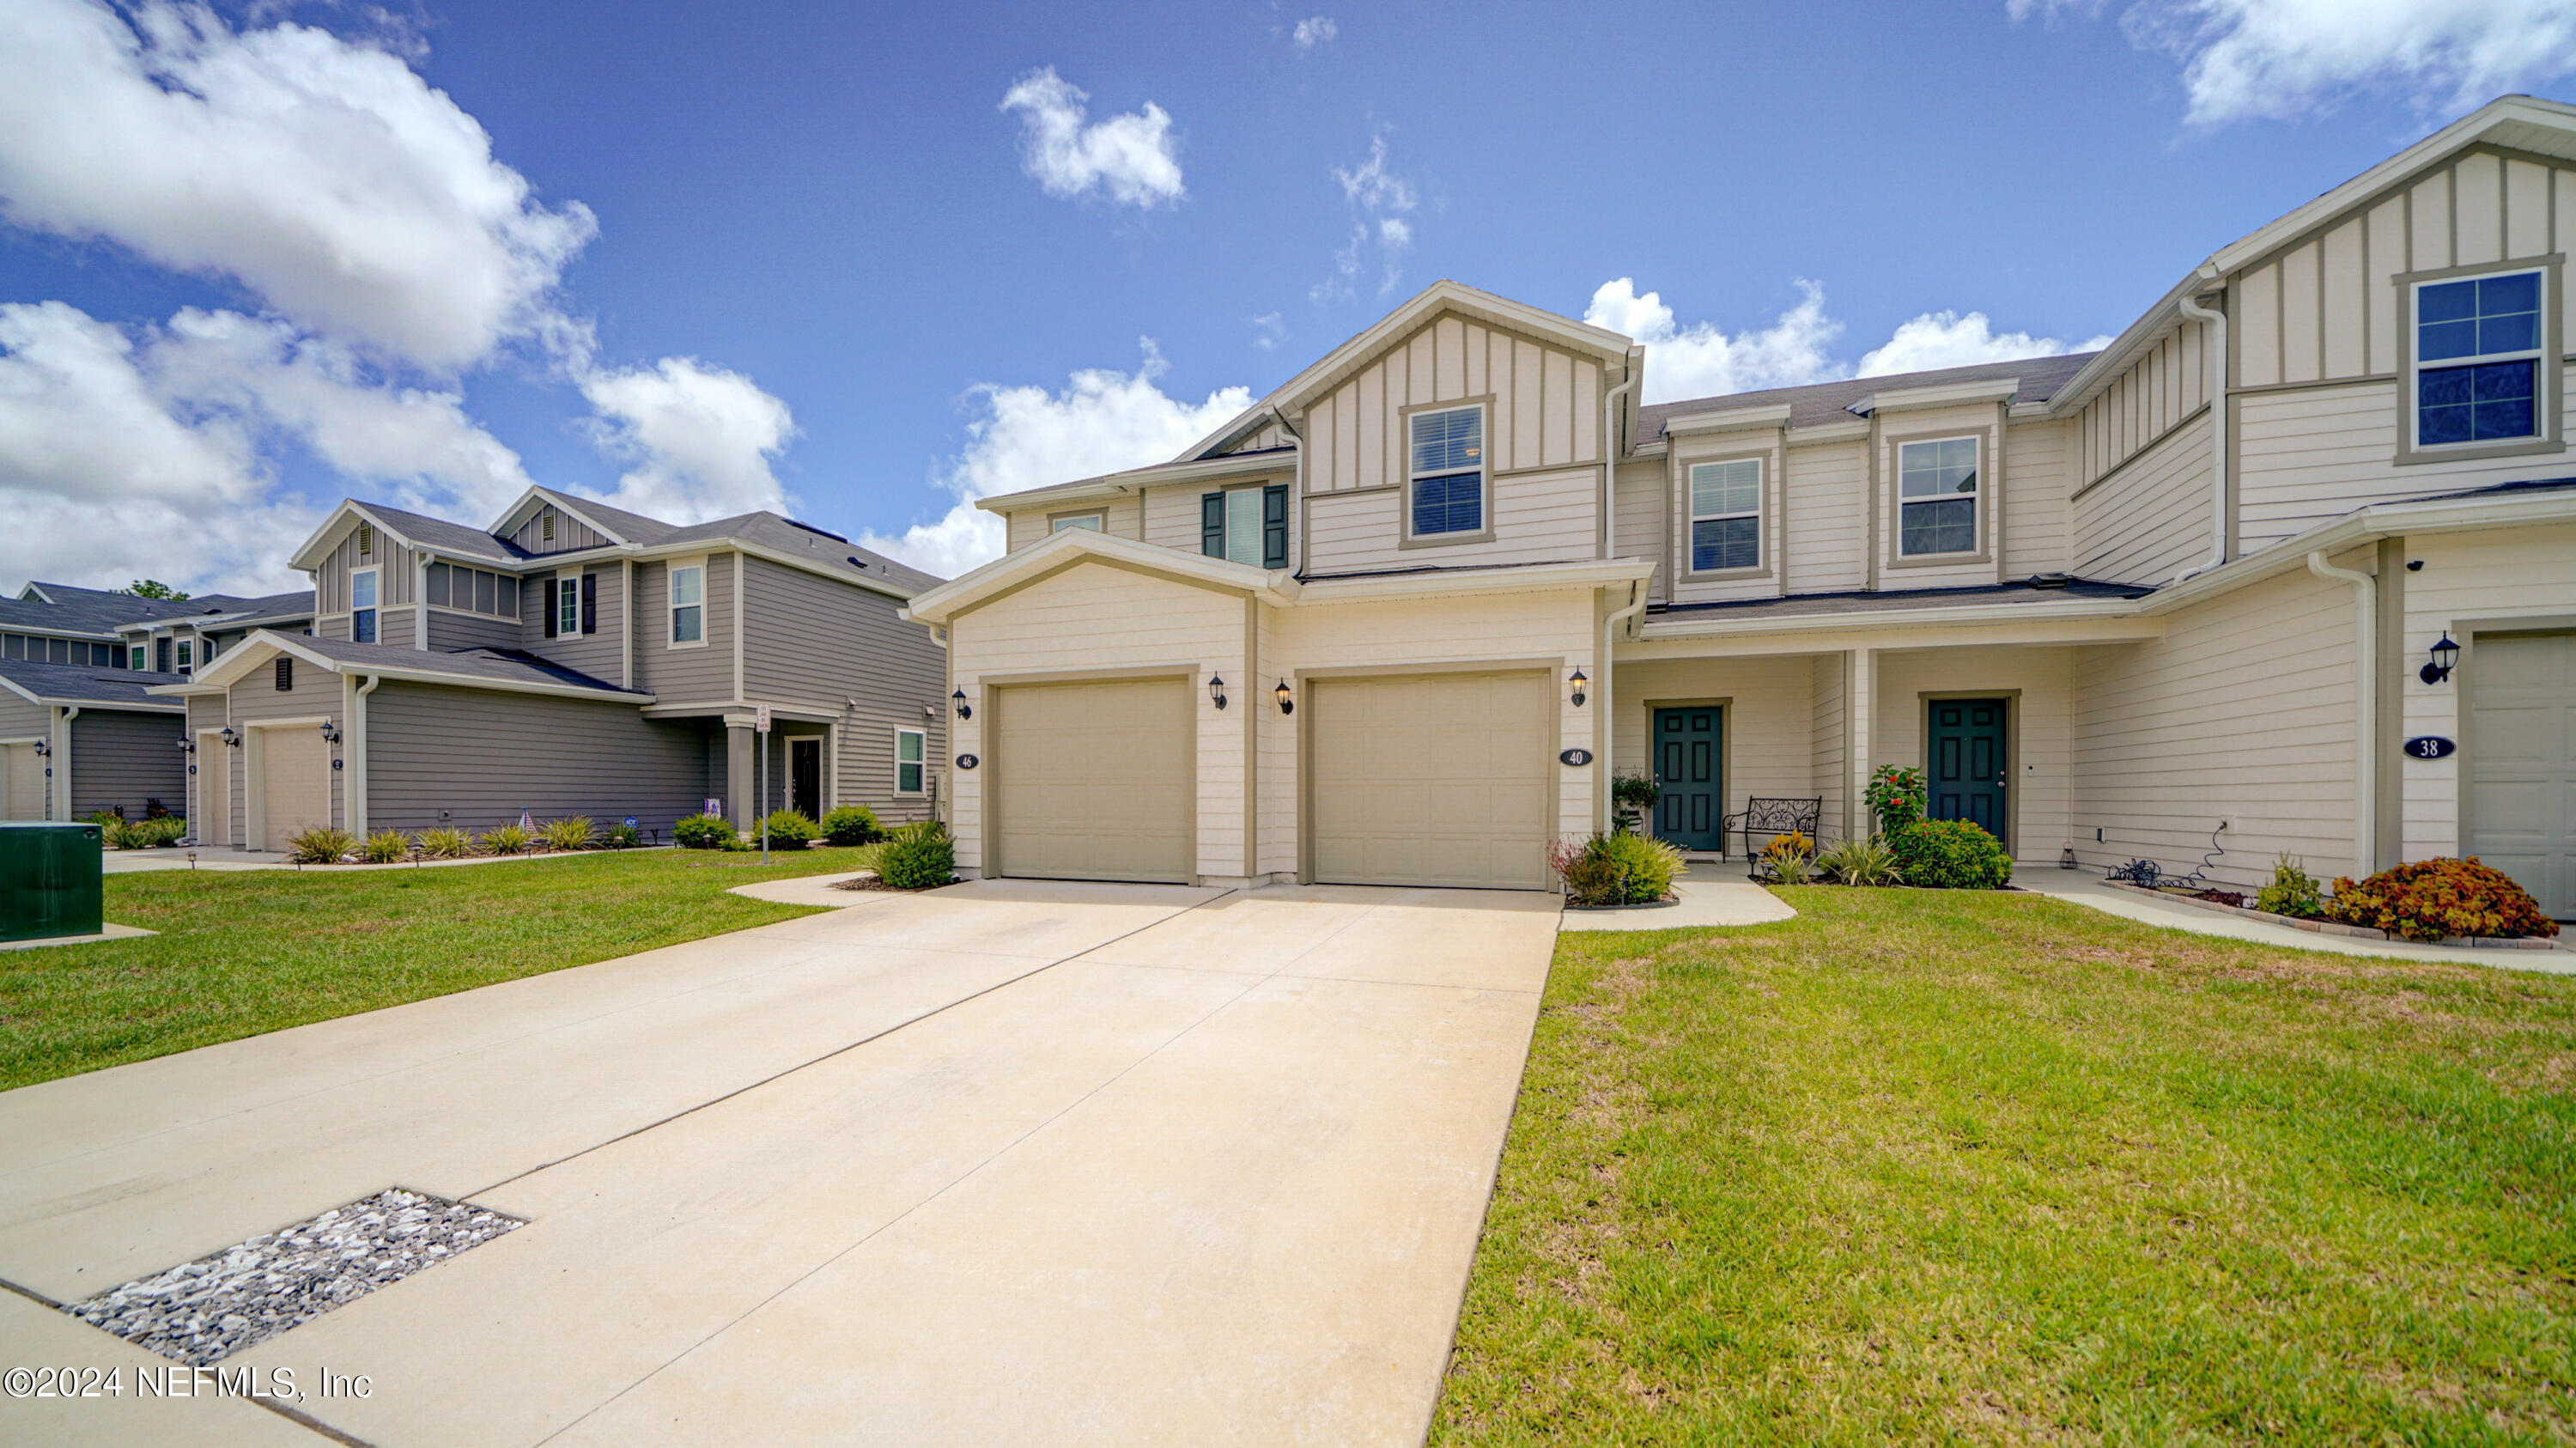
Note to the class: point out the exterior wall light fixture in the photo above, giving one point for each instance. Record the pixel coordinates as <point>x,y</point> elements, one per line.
<point>1287,699</point>
<point>964,709</point>
<point>232,739</point>
<point>1574,687</point>
<point>186,746</point>
<point>330,731</point>
<point>2446,656</point>
<point>1216,689</point>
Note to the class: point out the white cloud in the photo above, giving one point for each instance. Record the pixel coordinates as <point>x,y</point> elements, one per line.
<point>1102,421</point>
<point>1313,31</point>
<point>1269,329</point>
<point>701,439</point>
<point>1380,236</point>
<point>324,175</point>
<point>1936,340</point>
<point>2282,59</point>
<point>1133,157</point>
<point>1701,360</point>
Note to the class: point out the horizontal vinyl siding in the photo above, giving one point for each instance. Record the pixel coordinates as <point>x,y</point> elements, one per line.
<point>1541,518</point>
<point>484,756</point>
<point>122,759</point>
<point>813,641</point>
<point>1768,728</point>
<point>2039,478</point>
<point>22,719</point>
<point>1828,517</point>
<point>2308,456</point>
<point>2151,520</point>
<point>600,655</point>
<point>2242,712</point>
<point>451,633</point>
<point>1825,724</point>
<point>1763,446</point>
<point>684,675</point>
<point>2042,745</point>
<point>1637,520</point>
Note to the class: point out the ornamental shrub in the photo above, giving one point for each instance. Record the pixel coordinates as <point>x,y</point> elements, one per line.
<point>1950,855</point>
<point>1787,858</point>
<point>159,831</point>
<point>386,847</point>
<point>320,845</point>
<point>621,836</point>
<point>574,832</point>
<point>852,824</point>
<point>1615,869</point>
<point>2429,899</point>
<point>444,843</point>
<point>791,830</point>
<point>702,832</point>
<point>1895,797</point>
<point>507,840</point>
<point>918,857</point>
<point>2292,891</point>
<point>1860,862</point>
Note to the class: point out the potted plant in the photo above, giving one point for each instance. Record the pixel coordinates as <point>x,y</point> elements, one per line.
<point>1633,796</point>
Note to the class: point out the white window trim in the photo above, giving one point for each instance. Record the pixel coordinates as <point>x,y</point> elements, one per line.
<point>139,657</point>
<point>377,608</point>
<point>1098,522</point>
<point>2416,364</point>
<point>1484,532</point>
<point>1977,518</point>
<point>671,610</point>
<point>568,600</point>
<point>1692,517</point>
<point>923,764</point>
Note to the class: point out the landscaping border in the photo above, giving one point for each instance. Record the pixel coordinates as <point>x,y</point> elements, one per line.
<point>2330,927</point>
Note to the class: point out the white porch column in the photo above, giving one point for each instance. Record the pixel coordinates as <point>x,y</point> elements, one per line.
<point>1860,694</point>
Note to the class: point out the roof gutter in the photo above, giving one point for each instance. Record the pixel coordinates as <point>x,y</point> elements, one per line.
<point>2216,371</point>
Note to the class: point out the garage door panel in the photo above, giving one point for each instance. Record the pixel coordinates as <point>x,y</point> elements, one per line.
<point>2522,771</point>
<point>1092,781</point>
<point>1438,779</point>
<point>295,783</point>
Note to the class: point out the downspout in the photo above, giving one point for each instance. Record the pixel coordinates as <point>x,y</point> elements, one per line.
<point>1609,463</point>
<point>2216,371</point>
<point>1296,502</point>
<point>61,758</point>
<point>2365,782</point>
<point>356,755</point>
<point>1606,727</point>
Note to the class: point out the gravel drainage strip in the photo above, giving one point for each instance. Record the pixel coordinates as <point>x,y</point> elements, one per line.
<point>204,1311</point>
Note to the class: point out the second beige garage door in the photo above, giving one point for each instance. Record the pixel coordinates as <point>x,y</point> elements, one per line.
<point>1092,781</point>
<point>1432,779</point>
<point>295,783</point>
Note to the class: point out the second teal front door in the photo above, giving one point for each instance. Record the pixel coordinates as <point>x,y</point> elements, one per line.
<point>1692,812</point>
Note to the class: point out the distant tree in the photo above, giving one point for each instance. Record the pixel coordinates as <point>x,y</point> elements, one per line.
<point>155,588</point>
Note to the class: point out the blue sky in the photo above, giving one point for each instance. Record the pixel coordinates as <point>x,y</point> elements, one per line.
<point>703,259</point>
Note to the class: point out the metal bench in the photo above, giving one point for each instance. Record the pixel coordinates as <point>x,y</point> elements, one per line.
<point>1770,818</point>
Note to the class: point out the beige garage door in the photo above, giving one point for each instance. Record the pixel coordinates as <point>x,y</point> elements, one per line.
<point>1432,779</point>
<point>213,824</point>
<point>22,783</point>
<point>1092,781</point>
<point>295,783</point>
<point>2522,770</point>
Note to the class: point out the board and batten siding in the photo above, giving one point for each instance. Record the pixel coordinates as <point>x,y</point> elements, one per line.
<point>2150,519</point>
<point>2158,393</point>
<point>394,581</point>
<point>124,758</point>
<point>571,535</point>
<point>2242,712</point>
<point>701,674</point>
<point>815,643</point>
<point>483,755</point>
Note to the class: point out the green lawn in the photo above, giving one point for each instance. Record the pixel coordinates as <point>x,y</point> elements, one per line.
<point>243,952</point>
<point>1986,1168</point>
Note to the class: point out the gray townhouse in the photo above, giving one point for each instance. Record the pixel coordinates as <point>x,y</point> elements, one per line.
<point>571,658</point>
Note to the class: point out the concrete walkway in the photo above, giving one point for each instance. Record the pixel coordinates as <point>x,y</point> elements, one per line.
<point>2078,887</point>
<point>1005,1163</point>
<point>1706,899</point>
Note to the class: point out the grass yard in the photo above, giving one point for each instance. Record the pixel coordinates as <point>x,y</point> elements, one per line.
<point>245,952</point>
<point>1954,1168</point>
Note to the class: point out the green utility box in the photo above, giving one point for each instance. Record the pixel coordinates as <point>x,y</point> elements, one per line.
<point>49,881</point>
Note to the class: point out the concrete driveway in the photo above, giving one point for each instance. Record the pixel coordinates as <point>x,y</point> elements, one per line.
<point>1009,1163</point>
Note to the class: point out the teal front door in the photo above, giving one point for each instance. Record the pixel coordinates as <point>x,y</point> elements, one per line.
<point>1692,812</point>
<point>1969,763</point>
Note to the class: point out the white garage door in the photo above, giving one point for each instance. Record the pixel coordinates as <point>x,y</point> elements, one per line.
<point>295,783</point>
<point>22,783</point>
<point>1432,779</point>
<point>1092,781</point>
<point>2522,772</point>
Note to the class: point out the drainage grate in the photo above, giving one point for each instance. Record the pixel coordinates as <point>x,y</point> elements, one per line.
<point>204,1311</point>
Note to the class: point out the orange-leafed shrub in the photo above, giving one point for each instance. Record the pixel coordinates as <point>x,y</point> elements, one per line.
<point>2428,899</point>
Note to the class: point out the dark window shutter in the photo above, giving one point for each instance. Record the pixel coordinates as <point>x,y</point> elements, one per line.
<point>285,673</point>
<point>1212,525</point>
<point>551,606</point>
<point>161,656</point>
<point>590,603</point>
<point>1274,526</point>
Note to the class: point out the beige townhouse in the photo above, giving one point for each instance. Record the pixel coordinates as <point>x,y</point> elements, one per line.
<point>2289,566</point>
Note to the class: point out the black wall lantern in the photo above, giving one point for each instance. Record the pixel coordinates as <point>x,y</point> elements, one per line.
<point>964,709</point>
<point>186,746</point>
<point>1287,700</point>
<point>231,739</point>
<point>330,731</point>
<point>1216,690</point>
<point>2446,655</point>
<point>1574,687</point>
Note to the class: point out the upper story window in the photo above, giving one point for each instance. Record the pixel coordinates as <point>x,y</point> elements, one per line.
<point>135,658</point>
<point>908,760</point>
<point>1936,497</point>
<point>689,604</point>
<point>1246,525</point>
<point>1726,515</point>
<point>362,610</point>
<point>473,590</point>
<point>2485,334</point>
<point>185,661</point>
<point>1446,471</point>
<point>1089,521</point>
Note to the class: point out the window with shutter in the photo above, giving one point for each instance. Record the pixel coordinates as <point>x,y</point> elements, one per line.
<point>590,603</point>
<point>1212,525</point>
<point>551,615</point>
<point>285,673</point>
<point>1274,526</point>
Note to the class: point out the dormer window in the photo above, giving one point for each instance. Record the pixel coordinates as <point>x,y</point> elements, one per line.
<point>1246,525</point>
<point>1937,497</point>
<point>1726,515</point>
<point>2478,360</point>
<point>1446,474</point>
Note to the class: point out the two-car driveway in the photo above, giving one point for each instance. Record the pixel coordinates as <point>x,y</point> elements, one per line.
<point>1007,1163</point>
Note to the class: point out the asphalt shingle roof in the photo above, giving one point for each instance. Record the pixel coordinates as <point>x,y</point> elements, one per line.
<point>505,666</point>
<point>88,610</point>
<point>1823,402</point>
<point>1809,605</point>
<point>80,683</point>
<point>445,536</point>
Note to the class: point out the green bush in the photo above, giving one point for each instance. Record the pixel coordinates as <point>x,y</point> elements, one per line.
<point>2429,899</point>
<point>2292,892</point>
<point>1788,858</point>
<point>1950,855</point>
<point>852,824</point>
<point>702,832</point>
<point>574,832</point>
<point>621,836</point>
<point>918,857</point>
<point>1895,797</point>
<point>154,834</point>
<point>791,830</point>
<point>507,840</point>
<point>386,847</point>
<point>444,843</point>
<point>1616,869</point>
<point>1860,862</point>
<point>320,845</point>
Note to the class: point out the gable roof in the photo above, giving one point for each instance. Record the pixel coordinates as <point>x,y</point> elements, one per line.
<point>78,684</point>
<point>1819,403</point>
<point>514,670</point>
<point>64,608</point>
